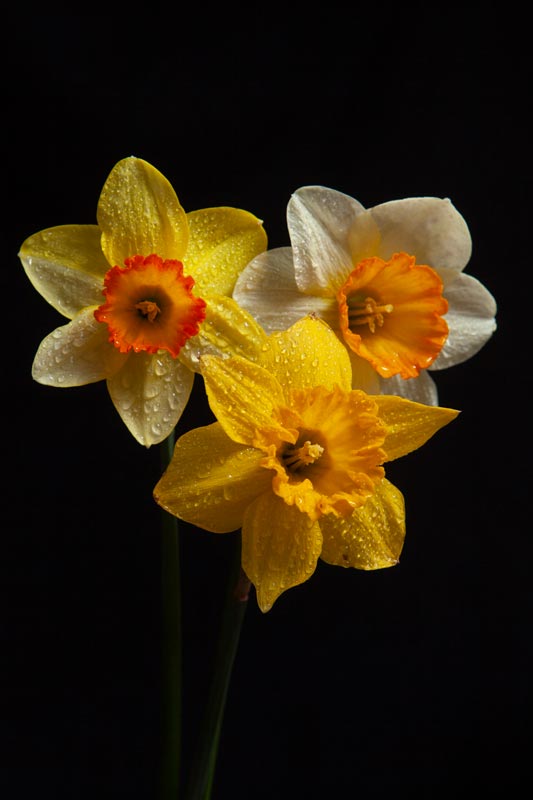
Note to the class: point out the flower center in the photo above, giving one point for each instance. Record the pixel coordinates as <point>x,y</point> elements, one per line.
<point>391,314</point>
<point>294,458</point>
<point>336,456</point>
<point>148,309</point>
<point>150,305</point>
<point>368,312</point>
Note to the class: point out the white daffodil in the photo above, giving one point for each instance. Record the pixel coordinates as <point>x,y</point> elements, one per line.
<point>389,280</point>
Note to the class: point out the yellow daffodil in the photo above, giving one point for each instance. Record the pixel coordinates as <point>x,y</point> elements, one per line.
<point>296,459</point>
<point>147,291</point>
<point>389,280</point>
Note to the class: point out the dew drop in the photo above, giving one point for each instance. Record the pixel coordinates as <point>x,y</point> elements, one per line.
<point>151,390</point>
<point>156,428</point>
<point>160,367</point>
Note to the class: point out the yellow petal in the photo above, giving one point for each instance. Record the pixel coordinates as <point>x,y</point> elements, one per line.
<point>308,354</point>
<point>222,241</point>
<point>228,330</point>
<point>211,480</point>
<point>372,537</point>
<point>66,265</point>
<point>150,393</point>
<point>409,424</point>
<point>139,214</point>
<point>244,397</point>
<point>364,376</point>
<point>280,547</point>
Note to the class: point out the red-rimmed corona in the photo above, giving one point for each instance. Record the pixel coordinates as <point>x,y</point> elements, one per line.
<point>150,305</point>
<point>166,277</point>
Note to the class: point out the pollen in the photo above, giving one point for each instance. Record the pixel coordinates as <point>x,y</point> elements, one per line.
<point>294,458</point>
<point>150,305</point>
<point>148,309</point>
<point>368,313</point>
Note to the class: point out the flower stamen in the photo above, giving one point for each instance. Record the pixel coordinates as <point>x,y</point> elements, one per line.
<point>148,309</point>
<point>150,305</point>
<point>368,313</point>
<point>294,458</point>
<point>402,304</point>
<point>335,459</point>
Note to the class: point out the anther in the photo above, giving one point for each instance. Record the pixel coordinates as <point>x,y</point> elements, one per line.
<point>296,458</point>
<point>148,309</point>
<point>368,313</point>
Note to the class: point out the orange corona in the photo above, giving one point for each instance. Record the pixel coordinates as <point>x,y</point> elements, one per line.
<point>334,463</point>
<point>150,305</point>
<point>390,314</point>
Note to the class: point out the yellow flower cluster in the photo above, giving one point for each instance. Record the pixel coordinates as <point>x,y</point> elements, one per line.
<point>314,357</point>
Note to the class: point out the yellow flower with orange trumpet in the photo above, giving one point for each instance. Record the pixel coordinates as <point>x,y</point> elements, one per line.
<point>147,291</point>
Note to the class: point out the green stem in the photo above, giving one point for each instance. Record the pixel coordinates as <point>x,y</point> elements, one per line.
<point>203,767</point>
<point>171,647</point>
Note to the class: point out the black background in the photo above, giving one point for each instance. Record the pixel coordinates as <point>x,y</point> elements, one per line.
<point>355,684</point>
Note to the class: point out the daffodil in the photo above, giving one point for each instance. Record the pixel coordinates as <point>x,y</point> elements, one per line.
<point>389,280</point>
<point>147,291</point>
<point>295,459</point>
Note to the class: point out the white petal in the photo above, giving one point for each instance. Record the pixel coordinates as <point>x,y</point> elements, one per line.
<point>470,319</point>
<point>267,290</point>
<point>77,353</point>
<point>150,393</point>
<point>420,390</point>
<point>319,221</point>
<point>429,228</point>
